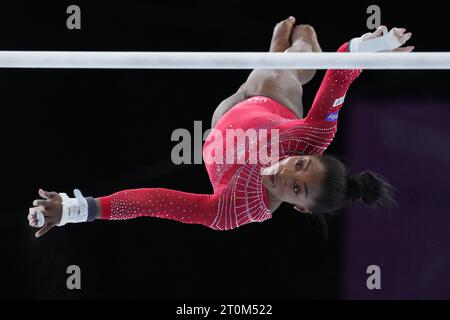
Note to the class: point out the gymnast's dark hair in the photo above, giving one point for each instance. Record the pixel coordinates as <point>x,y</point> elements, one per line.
<point>340,187</point>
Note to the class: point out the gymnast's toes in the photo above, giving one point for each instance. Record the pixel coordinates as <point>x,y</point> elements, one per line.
<point>281,38</point>
<point>305,35</point>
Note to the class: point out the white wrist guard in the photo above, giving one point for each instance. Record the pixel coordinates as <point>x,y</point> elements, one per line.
<point>74,210</point>
<point>388,41</point>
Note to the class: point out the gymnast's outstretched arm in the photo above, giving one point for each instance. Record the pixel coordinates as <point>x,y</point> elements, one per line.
<point>331,94</point>
<point>185,207</point>
<point>316,131</point>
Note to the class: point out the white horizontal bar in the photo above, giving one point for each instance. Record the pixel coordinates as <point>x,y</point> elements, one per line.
<point>222,60</point>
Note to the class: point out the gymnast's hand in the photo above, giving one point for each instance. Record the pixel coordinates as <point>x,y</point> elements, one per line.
<point>51,208</point>
<point>395,37</point>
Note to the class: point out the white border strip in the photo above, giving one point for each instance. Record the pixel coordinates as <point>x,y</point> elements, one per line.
<point>223,60</point>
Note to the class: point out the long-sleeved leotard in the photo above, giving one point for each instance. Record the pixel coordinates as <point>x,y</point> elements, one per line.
<point>239,196</point>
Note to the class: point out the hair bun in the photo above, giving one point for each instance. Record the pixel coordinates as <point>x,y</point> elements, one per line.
<point>354,188</point>
<point>365,186</point>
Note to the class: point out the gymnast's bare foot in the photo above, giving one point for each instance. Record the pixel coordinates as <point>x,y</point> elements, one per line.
<point>281,38</point>
<point>304,39</point>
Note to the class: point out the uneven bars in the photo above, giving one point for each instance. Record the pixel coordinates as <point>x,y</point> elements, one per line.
<point>223,60</point>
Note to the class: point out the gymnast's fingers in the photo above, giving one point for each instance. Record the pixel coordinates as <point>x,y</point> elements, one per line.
<point>377,33</point>
<point>44,230</point>
<point>40,202</point>
<point>32,212</point>
<point>33,222</point>
<point>404,38</point>
<point>32,219</point>
<point>46,194</point>
<point>380,31</point>
<point>399,31</point>
<point>404,49</point>
<point>36,216</point>
<point>31,215</point>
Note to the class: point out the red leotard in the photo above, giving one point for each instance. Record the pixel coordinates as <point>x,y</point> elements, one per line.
<point>239,196</point>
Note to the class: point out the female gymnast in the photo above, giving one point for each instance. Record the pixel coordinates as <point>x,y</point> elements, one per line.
<point>250,192</point>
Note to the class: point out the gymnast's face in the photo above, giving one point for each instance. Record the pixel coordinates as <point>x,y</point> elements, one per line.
<point>296,180</point>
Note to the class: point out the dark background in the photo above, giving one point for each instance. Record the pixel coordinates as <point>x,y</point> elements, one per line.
<point>107,130</point>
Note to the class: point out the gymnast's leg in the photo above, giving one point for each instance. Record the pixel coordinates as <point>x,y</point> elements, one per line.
<point>284,86</point>
<point>281,41</point>
<point>304,39</point>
